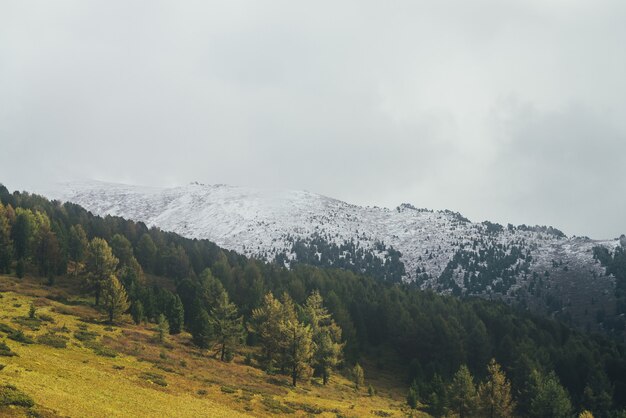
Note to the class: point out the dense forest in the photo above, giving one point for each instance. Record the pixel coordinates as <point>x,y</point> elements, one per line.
<point>469,356</point>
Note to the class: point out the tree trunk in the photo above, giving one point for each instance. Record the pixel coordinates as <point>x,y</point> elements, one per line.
<point>294,376</point>
<point>223,351</point>
<point>324,377</point>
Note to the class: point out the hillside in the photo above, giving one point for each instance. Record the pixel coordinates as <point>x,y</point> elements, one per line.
<point>537,267</point>
<point>123,371</point>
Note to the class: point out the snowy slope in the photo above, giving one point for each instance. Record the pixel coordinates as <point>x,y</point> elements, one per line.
<point>264,223</point>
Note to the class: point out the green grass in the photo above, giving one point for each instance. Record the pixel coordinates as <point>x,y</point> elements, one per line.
<point>119,371</point>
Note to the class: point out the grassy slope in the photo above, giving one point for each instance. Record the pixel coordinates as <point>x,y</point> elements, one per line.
<point>75,381</point>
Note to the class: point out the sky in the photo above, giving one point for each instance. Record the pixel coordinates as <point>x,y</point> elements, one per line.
<point>511,111</point>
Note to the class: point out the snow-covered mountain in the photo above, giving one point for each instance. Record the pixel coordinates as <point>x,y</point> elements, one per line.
<point>439,249</point>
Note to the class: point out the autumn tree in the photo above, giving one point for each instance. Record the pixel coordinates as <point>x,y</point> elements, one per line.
<point>296,342</point>
<point>265,324</point>
<point>495,393</point>
<point>328,348</point>
<point>463,393</point>
<point>100,264</point>
<point>227,326</point>
<point>114,298</point>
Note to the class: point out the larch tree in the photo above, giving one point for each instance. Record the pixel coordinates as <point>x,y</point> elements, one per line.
<point>328,348</point>
<point>176,315</point>
<point>358,376</point>
<point>495,393</point>
<point>265,324</point>
<point>114,298</point>
<point>227,326</point>
<point>100,264</point>
<point>297,343</point>
<point>463,393</point>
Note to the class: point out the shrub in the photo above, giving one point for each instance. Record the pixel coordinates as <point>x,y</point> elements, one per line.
<point>157,379</point>
<point>228,389</point>
<point>10,395</point>
<point>6,328</point>
<point>100,349</point>
<point>53,340</point>
<point>5,350</point>
<point>84,335</point>
<point>20,337</point>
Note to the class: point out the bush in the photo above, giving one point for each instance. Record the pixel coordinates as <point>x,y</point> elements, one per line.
<point>20,337</point>
<point>6,328</point>
<point>228,389</point>
<point>155,378</point>
<point>5,350</point>
<point>100,349</point>
<point>10,395</point>
<point>84,335</point>
<point>53,340</point>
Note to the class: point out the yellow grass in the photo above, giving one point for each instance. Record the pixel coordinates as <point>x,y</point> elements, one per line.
<point>76,382</point>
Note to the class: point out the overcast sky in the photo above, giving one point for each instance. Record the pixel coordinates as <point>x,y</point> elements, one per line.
<point>513,111</point>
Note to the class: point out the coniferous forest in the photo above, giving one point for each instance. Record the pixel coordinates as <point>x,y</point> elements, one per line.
<point>461,356</point>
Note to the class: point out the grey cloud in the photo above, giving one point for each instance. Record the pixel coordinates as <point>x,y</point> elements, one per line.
<point>374,103</point>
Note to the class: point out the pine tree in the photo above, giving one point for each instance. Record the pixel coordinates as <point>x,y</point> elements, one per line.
<point>114,298</point>
<point>326,336</point>
<point>495,393</point>
<point>176,315</point>
<point>463,393</point>
<point>227,326</point>
<point>100,265</point>
<point>548,399</point>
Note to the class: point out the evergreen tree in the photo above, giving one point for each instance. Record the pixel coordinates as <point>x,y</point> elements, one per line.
<point>47,252</point>
<point>412,397</point>
<point>227,326</point>
<point>100,265</point>
<point>147,252</point>
<point>298,345</point>
<point>22,233</point>
<point>122,249</point>
<point>265,324</point>
<point>6,244</point>
<point>326,336</point>
<point>358,376</point>
<point>201,328</point>
<point>163,328</point>
<point>548,399</point>
<point>176,315</point>
<point>463,393</point>
<point>77,243</point>
<point>495,393</point>
<point>136,311</point>
<point>114,298</point>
